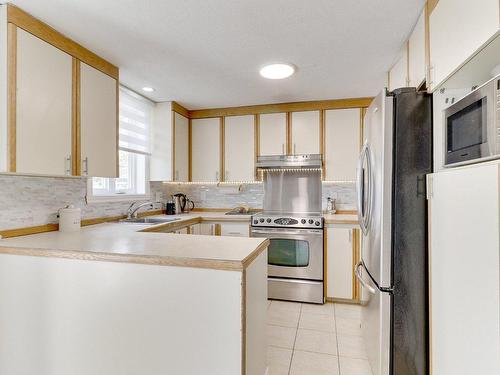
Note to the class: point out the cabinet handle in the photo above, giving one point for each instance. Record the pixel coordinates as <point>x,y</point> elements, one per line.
<point>282,149</point>
<point>216,176</point>
<point>85,163</point>
<point>67,162</point>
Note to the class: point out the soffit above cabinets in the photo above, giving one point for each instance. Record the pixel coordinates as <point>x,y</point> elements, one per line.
<point>208,54</point>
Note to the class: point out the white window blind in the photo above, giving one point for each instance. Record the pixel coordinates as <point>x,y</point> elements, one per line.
<point>136,116</point>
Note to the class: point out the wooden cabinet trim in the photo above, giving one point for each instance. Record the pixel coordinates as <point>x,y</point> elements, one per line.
<point>176,107</point>
<point>75,120</point>
<point>43,31</point>
<point>431,4</point>
<point>289,133</point>
<point>222,150</point>
<point>281,107</point>
<point>256,144</point>
<point>11,94</point>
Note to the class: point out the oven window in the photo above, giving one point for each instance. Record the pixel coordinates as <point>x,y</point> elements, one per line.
<point>288,253</point>
<point>465,128</point>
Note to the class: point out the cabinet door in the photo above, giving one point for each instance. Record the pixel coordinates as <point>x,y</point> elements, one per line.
<point>464,271</point>
<point>340,263</point>
<point>342,141</point>
<point>398,75</point>
<point>272,134</point>
<point>160,161</point>
<point>239,148</point>
<point>98,122</point>
<point>43,107</point>
<point>416,53</point>
<point>235,230</point>
<point>305,132</point>
<point>181,156</point>
<point>205,149</point>
<point>457,28</point>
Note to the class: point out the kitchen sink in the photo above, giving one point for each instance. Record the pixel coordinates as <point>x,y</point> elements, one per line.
<point>149,220</point>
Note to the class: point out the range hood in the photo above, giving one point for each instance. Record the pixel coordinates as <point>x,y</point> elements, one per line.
<point>305,161</point>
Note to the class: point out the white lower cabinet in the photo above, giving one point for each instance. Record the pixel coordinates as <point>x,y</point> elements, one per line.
<point>464,270</point>
<point>235,230</point>
<point>340,263</point>
<point>203,229</point>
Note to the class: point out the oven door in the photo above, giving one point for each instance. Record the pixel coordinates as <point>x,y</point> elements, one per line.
<point>293,253</point>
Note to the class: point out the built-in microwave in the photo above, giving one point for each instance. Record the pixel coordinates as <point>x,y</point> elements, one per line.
<point>472,126</point>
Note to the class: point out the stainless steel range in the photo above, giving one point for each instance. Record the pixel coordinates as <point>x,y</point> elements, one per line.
<point>293,223</point>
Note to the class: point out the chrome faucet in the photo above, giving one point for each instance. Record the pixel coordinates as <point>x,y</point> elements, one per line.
<point>132,212</point>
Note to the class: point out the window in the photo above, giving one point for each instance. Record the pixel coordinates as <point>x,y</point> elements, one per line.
<point>136,114</point>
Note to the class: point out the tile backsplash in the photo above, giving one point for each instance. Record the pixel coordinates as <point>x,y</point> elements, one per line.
<point>27,201</point>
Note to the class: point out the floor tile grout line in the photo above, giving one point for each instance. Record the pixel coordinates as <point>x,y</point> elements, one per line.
<point>336,337</point>
<point>295,341</point>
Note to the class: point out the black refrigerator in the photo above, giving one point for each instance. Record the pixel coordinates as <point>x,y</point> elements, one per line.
<point>392,206</point>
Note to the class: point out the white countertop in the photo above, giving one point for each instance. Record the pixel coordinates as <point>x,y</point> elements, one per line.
<point>124,242</point>
<point>148,244</point>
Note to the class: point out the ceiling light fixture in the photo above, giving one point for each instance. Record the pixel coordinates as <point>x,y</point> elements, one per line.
<point>148,89</point>
<point>277,71</point>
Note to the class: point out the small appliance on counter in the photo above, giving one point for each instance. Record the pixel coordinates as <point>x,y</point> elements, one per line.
<point>170,208</point>
<point>292,221</point>
<point>70,218</point>
<point>182,203</point>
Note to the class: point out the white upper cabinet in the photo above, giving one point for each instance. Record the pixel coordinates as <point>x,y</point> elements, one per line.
<point>43,107</point>
<point>342,141</point>
<point>305,132</point>
<point>272,134</point>
<point>416,53</point>
<point>457,28</point>
<point>205,149</point>
<point>181,146</point>
<point>98,123</point>
<point>239,148</point>
<point>161,143</point>
<point>398,75</point>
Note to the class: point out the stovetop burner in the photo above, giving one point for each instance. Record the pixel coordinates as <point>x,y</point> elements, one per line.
<point>287,220</point>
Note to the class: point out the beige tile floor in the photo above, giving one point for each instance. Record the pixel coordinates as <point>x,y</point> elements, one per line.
<point>305,339</point>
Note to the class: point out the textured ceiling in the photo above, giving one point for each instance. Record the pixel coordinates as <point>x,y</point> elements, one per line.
<point>207,53</point>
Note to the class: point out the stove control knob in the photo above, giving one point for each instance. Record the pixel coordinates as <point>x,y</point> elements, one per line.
<point>311,221</point>
<point>303,221</point>
<point>268,220</point>
<point>256,221</point>
<point>317,223</point>
<point>261,220</point>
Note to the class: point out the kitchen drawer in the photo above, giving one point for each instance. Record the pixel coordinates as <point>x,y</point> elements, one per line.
<point>235,230</point>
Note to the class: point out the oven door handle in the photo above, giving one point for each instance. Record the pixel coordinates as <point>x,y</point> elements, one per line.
<point>357,272</point>
<point>288,233</point>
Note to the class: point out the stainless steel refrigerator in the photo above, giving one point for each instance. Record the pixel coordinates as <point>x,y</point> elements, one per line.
<point>396,156</point>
